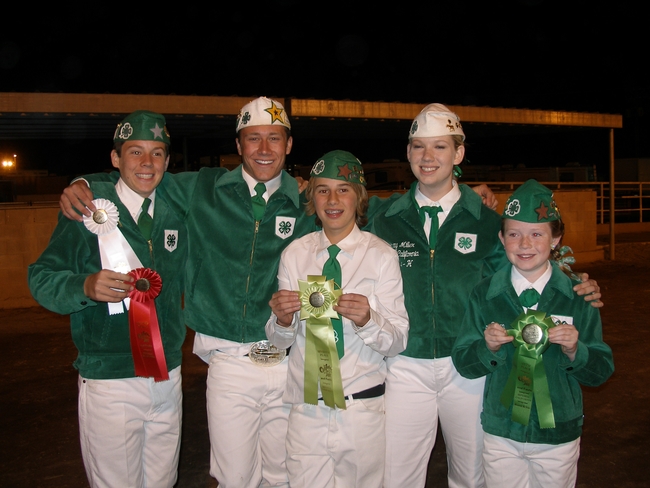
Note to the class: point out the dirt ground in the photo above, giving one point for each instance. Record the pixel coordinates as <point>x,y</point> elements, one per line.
<point>39,444</point>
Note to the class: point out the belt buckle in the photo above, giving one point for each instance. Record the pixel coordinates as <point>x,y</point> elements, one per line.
<point>265,354</point>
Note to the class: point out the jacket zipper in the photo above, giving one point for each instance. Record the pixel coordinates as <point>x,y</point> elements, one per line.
<point>250,267</point>
<point>431,254</point>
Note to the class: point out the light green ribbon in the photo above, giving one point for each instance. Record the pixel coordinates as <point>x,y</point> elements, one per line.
<point>317,297</point>
<point>527,378</point>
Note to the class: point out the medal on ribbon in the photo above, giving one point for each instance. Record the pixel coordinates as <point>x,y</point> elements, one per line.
<point>104,219</point>
<point>146,342</point>
<point>527,380</point>
<point>115,252</point>
<point>317,297</point>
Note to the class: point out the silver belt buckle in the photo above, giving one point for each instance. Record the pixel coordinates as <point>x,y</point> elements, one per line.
<point>265,354</point>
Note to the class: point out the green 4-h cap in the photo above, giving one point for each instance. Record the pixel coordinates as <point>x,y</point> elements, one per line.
<point>532,202</point>
<point>339,165</point>
<point>142,125</point>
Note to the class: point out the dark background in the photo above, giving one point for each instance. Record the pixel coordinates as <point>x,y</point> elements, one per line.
<point>538,54</point>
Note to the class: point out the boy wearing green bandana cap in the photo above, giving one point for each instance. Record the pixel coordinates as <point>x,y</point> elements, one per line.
<point>336,431</point>
<point>540,344</point>
<point>129,414</point>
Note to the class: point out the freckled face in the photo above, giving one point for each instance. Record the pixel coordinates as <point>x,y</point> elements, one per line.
<point>432,162</point>
<point>335,202</point>
<point>528,246</point>
<point>142,165</point>
<point>263,149</point>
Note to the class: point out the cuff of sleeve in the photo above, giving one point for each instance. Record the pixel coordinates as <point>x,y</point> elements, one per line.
<point>78,299</point>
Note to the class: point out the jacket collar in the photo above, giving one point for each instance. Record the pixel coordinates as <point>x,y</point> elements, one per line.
<point>288,186</point>
<point>469,201</point>
<point>500,283</point>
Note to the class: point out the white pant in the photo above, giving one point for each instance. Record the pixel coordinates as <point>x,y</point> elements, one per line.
<point>418,392</point>
<point>526,465</point>
<point>130,430</point>
<point>247,422</point>
<point>329,447</point>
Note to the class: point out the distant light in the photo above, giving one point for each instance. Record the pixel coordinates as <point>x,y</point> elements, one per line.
<point>7,164</point>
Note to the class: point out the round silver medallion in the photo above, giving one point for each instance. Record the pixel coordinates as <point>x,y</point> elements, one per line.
<point>532,334</point>
<point>316,299</point>
<point>100,216</point>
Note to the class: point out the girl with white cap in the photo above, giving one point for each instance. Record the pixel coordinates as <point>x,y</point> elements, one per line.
<point>447,242</point>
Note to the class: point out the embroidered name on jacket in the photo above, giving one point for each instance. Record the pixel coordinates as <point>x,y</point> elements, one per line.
<point>406,252</point>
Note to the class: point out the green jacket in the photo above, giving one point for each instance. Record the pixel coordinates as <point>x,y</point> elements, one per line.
<point>495,300</point>
<point>57,278</point>
<point>233,261</point>
<point>437,285</point>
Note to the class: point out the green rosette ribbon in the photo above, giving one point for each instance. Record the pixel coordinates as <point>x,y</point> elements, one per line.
<point>527,378</point>
<point>317,297</point>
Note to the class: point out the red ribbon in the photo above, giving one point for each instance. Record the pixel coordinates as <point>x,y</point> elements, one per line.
<point>146,342</point>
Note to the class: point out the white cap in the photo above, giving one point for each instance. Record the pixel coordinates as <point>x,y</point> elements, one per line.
<point>262,111</point>
<point>436,120</point>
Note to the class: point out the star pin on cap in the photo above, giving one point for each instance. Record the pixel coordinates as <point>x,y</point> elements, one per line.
<point>532,202</point>
<point>339,165</point>
<point>142,125</point>
<point>262,111</point>
<point>436,120</point>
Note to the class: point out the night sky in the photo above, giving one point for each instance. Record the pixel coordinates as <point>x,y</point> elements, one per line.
<point>538,54</point>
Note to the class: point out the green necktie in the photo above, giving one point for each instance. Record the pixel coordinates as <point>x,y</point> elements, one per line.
<point>332,271</point>
<point>529,297</point>
<point>433,232</point>
<point>259,204</point>
<point>145,222</point>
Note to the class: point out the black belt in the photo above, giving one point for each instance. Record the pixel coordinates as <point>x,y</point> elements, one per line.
<point>374,392</point>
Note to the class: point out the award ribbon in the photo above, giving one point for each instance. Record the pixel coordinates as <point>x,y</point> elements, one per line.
<point>527,378</point>
<point>115,252</point>
<point>146,342</point>
<point>317,297</point>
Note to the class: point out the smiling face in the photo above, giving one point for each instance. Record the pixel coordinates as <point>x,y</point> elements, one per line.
<point>432,162</point>
<point>142,165</point>
<point>263,149</point>
<point>335,202</point>
<point>528,246</point>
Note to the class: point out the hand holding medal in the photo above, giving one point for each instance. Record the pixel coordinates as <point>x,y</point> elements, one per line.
<point>527,378</point>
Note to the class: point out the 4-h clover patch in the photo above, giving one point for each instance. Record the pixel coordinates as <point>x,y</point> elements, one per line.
<point>465,243</point>
<point>513,208</point>
<point>171,240</point>
<point>284,226</point>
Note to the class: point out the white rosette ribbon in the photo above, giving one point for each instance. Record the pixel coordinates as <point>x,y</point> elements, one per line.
<point>104,220</point>
<point>115,252</point>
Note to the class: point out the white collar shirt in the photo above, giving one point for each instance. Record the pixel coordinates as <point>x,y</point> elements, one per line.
<point>369,267</point>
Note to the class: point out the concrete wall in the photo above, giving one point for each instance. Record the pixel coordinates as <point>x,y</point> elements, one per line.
<point>25,232</point>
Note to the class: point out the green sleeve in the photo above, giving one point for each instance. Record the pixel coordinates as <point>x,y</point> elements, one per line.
<point>594,362</point>
<point>470,353</point>
<point>57,278</point>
